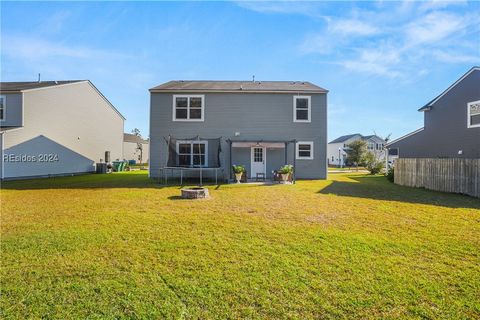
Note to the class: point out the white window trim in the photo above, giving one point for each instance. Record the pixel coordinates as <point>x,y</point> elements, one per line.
<point>469,118</point>
<point>205,142</point>
<point>309,104</point>
<point>297,151</point>
<point>188,96</point>
<point>4,97</point>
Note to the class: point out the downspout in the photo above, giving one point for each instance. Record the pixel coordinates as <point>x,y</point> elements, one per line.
<point>294,162</point>
<point>230,159</point>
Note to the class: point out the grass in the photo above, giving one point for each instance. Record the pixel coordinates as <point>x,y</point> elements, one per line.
<point>354,246</point>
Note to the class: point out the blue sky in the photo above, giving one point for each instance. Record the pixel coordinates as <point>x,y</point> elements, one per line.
<point>380,60</point>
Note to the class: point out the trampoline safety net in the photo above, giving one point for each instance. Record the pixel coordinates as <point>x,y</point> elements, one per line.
<point>196,152</point>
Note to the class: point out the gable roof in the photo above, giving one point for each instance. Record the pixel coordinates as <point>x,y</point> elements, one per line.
<point>345,138</point>
<point>22,86</point>
<point>239,86</point>
<point>404,137</point>
<point>349,136</point>
<point>12,87</point>
<point>128,137</point>
<point>432,102</point>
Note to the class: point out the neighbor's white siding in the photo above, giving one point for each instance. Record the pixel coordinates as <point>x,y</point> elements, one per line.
<point>76,118</point>
<point>130,152</point>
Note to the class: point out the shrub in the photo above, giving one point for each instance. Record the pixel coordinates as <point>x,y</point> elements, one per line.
<point>391,174</point>
<point>238,168</point>
<point>373,165</point>
<point>288,168</point>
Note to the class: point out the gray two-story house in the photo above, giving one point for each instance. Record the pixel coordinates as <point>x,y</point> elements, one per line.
<point>261,125</point>
<point>451,124</point>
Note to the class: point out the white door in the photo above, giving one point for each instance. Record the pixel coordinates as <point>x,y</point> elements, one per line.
<point>258,161</point>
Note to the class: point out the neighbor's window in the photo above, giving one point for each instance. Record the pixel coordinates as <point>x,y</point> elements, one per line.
<point>3,100</point>
<point>473,114</point>
<point>192,153</point>
<point>304,150</point>
<point>188,108</point>
<point>301,109</point>
<point>371,146</point>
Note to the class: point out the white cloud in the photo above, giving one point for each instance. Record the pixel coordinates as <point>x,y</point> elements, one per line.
<point>434,27</point>
<point>38,49</point>
<point>440,4</point>
<point>378,61</point>
<point>283,7</point>
<point>367,41</point>
<point>349,27</point>
<point>453,57</point>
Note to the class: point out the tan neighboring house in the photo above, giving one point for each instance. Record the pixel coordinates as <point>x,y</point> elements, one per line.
<point>53,128</point>
<point>135,148</point>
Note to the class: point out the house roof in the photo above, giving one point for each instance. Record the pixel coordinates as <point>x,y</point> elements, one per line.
<point>20,86</point>
<point>128,137</point>
<point>239,86</point>
<point>432,102</point>
<point>349,136</point>
<point>345,138</point>
<point>404,137</point>
<point>16,87</point>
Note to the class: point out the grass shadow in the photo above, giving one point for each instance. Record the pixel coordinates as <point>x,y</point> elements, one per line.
<point>379,188</point>
<point>133,179</point>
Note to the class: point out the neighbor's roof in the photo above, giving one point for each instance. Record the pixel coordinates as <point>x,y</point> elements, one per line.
<point>432,102</point>
<point>128,137</point>
<point>239,86</point>
<point>16,87</point>
<point>345,138</point>
<point>20,86</point>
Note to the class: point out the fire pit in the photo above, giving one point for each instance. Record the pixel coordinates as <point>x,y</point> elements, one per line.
<point>195,193</point>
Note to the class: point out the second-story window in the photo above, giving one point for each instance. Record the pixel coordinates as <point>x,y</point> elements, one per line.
<point>2,107</point>
<point>302,109</point>
<point>188,107</point>
<point>473,114</point>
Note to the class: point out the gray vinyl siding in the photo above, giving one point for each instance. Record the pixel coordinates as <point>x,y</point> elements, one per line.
<point>262,116</point>
<point>73,121</point>
<point>13,110</point>
<point>446,131</point>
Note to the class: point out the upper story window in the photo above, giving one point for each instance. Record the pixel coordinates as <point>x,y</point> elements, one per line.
<point>188,107</point>
<point>3,100</point>
<point>192,153</point>
<point>302,107</point>
<point>379,146</point>
<point>304,150</point>
<point>473,114</point>
<point>371,146</point>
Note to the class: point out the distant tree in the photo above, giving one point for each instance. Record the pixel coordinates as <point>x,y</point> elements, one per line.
<point>136,132</point>
<point>356,152</point>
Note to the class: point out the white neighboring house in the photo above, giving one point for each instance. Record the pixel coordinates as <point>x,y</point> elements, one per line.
<point>53,128</point>
<point>131,151</point>
<point>336,149</point>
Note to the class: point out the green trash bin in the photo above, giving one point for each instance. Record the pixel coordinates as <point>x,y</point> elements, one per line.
<point>116,165</point>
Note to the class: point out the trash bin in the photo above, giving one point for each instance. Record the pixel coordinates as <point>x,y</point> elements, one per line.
<point>116,165</point>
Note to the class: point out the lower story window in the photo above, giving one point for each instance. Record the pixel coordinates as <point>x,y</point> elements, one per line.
<point>192,153</point>
<point>304,150</point>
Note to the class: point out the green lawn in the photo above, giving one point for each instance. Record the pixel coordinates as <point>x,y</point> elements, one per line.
<point>354,246</point>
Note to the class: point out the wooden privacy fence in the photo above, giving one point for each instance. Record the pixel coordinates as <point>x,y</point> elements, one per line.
<point>447,175</point>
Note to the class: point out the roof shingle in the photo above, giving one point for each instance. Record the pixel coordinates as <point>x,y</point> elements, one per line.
<point>240,86</point>
<point>19,86</point>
